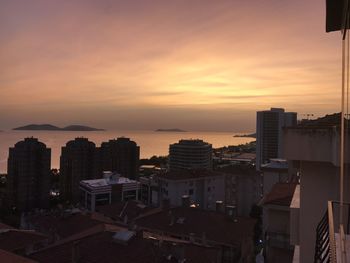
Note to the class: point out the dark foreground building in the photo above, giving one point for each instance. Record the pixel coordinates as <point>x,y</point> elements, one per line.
<point>28,179</point>
<point>222,229</point>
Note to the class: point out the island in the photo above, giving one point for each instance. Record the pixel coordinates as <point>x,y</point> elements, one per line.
<point>49,127</point>
<point>170,130</point>
<point>251,135</point>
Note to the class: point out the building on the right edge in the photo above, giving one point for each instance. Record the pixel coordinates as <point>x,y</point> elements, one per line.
<point>313,148</point>
<point>269,136</point>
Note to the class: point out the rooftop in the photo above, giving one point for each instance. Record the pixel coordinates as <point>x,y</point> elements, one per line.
<point>215,226</point>
<point>108,180</point>
<point>127,211</point>
<point>330,120</point>
<point>106,247</point>
<point>188,174</point>
<point>275,164</point>
<point>280,194</point>
<point>4,226</point>
<point>62,225</point>
<point>14,239</point>
<point>9,257</point>
<point>191,142</point>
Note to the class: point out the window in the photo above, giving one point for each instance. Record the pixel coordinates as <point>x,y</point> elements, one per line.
<point>190,192</point>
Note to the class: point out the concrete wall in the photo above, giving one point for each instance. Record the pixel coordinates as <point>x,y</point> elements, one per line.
<point>319,183</point>
<point>249,192</point>
<point>295,217</point>
<point>317,153</point>
<point>320,145</point>
<point>276,226</point>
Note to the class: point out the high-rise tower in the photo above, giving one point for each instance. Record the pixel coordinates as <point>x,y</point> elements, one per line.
<point>28,179</point>
<point>78,162</point>
<point>122,156</point>
<point>190,154</point>
<point>269,134</point>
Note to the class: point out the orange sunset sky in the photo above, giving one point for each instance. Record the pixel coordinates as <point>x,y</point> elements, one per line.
<point>140,64</point>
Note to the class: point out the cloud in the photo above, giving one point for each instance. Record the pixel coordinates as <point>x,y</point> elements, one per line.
<point>134,56</point>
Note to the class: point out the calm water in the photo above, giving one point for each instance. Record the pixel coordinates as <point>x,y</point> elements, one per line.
<point>150,142</point>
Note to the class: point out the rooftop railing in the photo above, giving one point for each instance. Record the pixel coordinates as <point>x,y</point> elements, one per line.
<point>326,232</point>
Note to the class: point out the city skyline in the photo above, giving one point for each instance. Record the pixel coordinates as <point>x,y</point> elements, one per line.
<point>198,65</point>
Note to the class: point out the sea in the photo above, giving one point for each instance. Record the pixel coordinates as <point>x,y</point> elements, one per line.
<point>150,142</point>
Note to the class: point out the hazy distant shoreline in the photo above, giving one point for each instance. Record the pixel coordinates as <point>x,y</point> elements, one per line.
<point>250,135</point>
<point>170,130</point>
<point>50,127</point>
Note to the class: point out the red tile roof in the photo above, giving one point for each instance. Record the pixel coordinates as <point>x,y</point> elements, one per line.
<point>215,226</point>
<point>4,226</point>
<point>8,257</point>
<point>63,226</point>
<point>100,247</point>
<point>280,194</point>
<point>118,211</point>
<point>15,239</point>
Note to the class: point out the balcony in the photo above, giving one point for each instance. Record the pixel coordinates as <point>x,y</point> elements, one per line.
<point>333,238</point>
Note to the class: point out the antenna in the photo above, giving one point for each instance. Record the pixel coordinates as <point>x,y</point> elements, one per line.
<point>308,115</point>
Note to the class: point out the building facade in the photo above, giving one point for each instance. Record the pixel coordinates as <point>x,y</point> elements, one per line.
<point>122,156</point>
<point>243,187</point>
<point>203,187</point>
<point>276,222</point>
<point>28,179</point>
<point>190,154</point>
<point>269,133</point>
<point>110,189</point>
<point>276,171</point>
<point>79,161</point>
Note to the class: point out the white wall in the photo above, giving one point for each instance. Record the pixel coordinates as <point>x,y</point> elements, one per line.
<point>206,199</point>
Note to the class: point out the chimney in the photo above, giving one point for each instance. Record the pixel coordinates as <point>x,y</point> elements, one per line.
<point>219,206</point>
<point>231,212</point>
<point>107,174</point>
<point>75,252</point>
<point>186,202</point>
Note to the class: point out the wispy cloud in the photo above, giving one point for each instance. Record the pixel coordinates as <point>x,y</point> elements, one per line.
<point>201,55</point>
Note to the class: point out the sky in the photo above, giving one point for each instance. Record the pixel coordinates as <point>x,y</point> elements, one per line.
<point>140,64</point>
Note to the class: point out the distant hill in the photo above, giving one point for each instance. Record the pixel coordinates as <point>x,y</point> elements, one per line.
<point>49,127</point>
<point>170,130</point>
<point>80,128</point>
<point>38,127</point>
<point>251,135</point>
